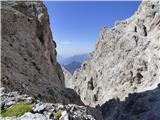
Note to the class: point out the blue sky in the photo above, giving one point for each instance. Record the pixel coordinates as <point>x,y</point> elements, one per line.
<point>76,25</point>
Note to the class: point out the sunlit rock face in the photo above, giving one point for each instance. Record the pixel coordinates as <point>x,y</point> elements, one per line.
<point>28,53</point>
<point>126,58</point>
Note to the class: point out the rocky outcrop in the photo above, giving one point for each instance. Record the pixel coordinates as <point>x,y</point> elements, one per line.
<point>137,106</point>
<point>28,53</point>
<point>45,111</point>
<point>126,58</point>
<point>67,76</point>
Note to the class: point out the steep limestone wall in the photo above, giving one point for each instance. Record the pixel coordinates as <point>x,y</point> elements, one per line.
<point>29,62</point>
<point>126,58</point>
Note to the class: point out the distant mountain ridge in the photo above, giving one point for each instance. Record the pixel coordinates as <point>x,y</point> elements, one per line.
<point>74,62</point>
<point>71,67</point>
<point>75,58</point>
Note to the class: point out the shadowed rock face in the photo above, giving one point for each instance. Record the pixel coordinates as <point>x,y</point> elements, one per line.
<point>137,106</point>
<point>126,58</point>
<point>28,53</point>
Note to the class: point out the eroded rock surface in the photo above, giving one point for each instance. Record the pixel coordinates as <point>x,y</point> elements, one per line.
<point>67,76</point>
<point>126,58</point>
<point>28,53</point>
<point>137,106</point>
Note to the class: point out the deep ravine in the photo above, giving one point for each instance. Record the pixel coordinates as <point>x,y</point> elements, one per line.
<point>121,80</point>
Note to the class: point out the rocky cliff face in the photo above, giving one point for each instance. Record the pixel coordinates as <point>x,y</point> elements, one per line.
<point>126,58</point>
<point>67,76</point>
<point>28,53</point>
<point>137,106</point>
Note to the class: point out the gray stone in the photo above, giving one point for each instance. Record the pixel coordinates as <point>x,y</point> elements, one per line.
<point>9,103</point>
<point>39,107</point>
<point>125,60</point>
<point>46,111</point>
<point>30,116</point>
<point>29,62</point>
<point>64,116</point>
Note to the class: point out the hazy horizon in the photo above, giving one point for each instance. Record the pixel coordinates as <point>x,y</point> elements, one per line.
<point>76,25</point>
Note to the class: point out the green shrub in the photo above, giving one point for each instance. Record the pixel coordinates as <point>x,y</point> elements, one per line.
<point>17,109</point>
<point>58,114</point>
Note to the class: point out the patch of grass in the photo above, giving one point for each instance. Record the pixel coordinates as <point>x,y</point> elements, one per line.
<point>17,109</point>
<point>58,114</point>
<point>77,109</point>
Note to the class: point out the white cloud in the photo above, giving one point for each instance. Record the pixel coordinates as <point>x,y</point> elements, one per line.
<point>66,43</point>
